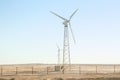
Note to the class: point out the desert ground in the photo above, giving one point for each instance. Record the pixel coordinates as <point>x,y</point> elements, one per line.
<point>65,77</point>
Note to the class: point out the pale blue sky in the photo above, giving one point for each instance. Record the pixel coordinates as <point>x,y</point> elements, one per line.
<point>29,32</point>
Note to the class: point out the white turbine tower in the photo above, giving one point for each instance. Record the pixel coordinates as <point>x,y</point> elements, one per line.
<point>66,47</point>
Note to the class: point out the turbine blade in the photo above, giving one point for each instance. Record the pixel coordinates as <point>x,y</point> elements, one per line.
<point>72,33</point>
<point>58,15</point>
<point>73,14</point>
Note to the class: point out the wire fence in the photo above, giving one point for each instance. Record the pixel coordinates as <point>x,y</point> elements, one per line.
<point>55,69</point>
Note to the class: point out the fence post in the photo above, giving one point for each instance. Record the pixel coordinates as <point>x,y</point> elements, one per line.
<point>16,70</point>
<point>96,69</point>
<point>79,69</point>
<point>1,70</point>
<point>114,68</point>
<point>63,69</point>
<point>47,70</point>
<point>32,70</point>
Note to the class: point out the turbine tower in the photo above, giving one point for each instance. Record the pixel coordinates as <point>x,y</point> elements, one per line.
<point>66,46</point>
<point>58,54</point>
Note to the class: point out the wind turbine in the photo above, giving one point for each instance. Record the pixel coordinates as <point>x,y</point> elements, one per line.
<point>58,54</point>
<point>66,47</point>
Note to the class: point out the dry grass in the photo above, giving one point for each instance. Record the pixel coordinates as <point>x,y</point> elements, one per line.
<point>67,77</point>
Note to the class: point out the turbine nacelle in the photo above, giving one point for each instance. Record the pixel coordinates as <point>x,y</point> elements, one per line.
<point>66,22</point>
